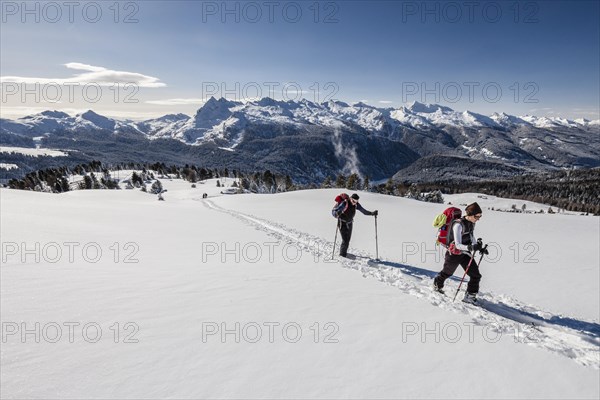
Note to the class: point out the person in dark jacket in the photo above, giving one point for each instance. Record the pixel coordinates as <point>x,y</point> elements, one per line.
<point>345,212</point>
<point>461,251</point>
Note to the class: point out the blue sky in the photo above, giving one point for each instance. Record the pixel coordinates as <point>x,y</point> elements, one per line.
<point>540,58</point>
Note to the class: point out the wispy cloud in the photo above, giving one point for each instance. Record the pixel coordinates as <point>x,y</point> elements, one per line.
<point>591,112</point>
<point>385,102</point>
<point>93,74</point>
<point>196,101</point>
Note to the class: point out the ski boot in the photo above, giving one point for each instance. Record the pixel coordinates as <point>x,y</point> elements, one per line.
<point>437,288</point>
<point>470,298</point>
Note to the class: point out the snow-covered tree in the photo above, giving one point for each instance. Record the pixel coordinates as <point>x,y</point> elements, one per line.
<point>156,187</point>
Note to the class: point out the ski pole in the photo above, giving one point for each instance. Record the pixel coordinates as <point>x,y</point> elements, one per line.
<point>376,242</point>
<point>467,270</point>
<point>337,225</point>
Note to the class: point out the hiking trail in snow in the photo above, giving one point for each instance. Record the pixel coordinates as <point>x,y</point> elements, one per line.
<point>570,337</point>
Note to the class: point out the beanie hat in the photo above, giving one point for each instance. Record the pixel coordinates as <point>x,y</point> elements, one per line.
<point>354,196</point>
<point>473,209</point>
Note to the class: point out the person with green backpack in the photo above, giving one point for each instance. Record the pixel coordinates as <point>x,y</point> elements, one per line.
<point>458,236</point>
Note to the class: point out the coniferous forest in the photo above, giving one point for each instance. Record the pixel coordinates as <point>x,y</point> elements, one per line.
<point>571,190</point>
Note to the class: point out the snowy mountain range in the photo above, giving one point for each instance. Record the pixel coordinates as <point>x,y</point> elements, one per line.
<point>522,142</point>
<point>216,117</point>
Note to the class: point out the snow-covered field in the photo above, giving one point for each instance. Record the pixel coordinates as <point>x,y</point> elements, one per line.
<point>33,152</point>
<point>235,296</point>
<point>494,203</point>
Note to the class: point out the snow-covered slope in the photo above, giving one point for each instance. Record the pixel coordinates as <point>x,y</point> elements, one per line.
<point>32,152</point>
<point>175,275</point>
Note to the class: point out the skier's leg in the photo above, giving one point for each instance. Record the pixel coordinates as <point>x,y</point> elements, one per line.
<point>450,264</point>
<point>350,225</point>
<point>345,233</point>
<point>474,274</point>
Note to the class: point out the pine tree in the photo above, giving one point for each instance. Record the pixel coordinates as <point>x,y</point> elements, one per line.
<point>269,181</point>
<point>64,183</point>
<point>366,184</point>
<point>354,182</point>
<point>351,182</point>
<point>156,187</point>
<point>389,186</point>
<point>191,176</point>
<point>340,182</point>
<point>87,182</point>
<point>289,185</point>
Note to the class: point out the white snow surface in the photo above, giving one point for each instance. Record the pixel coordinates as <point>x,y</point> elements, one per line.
<point>8,166</point>
<point>382,332</point>
<point>33,152</point>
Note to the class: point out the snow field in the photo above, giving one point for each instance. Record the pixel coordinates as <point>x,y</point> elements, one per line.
<point>195,302</point>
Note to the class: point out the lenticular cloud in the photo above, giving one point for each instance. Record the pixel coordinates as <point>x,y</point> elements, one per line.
<point>93,74</point>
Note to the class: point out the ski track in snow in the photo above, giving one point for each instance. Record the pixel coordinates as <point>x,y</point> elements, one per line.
<point>574,338</point>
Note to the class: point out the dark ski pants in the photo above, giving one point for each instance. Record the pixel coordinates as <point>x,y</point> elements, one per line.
<point>451,262</point>
<point>346,234</point>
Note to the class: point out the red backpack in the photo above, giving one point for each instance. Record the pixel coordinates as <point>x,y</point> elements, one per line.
<point>444,223</point>
<point>338,199</point>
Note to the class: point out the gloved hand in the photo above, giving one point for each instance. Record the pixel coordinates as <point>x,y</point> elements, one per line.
<point>479,247</point>
<point>484,250</point>
<point>375,213</point>
<point>476,247</point>
<point>453,250</point>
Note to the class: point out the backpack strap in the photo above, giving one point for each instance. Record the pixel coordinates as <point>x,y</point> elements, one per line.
<point>450,236</point>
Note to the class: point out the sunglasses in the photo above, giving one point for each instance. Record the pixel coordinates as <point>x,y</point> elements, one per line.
<point>477,216</point>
